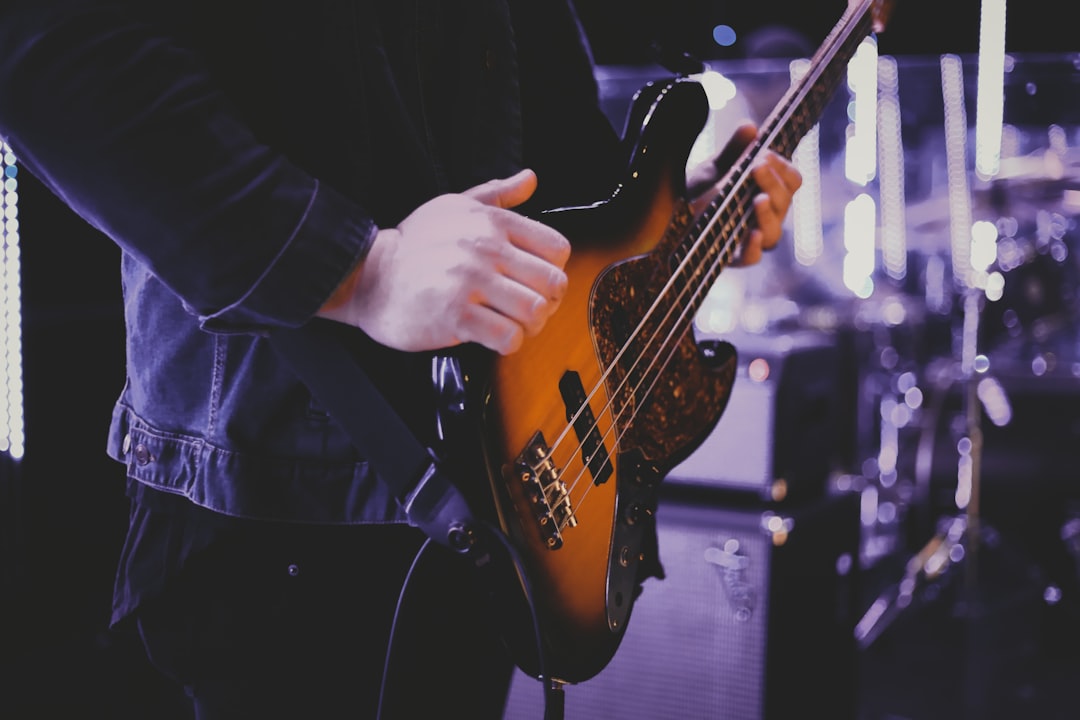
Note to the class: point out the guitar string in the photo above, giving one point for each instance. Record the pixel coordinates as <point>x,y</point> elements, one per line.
<point>796,107</point>
<point>741,225</point>
<point>773,121</point>
<point>710,216</point>
<point>712,263</point>
<point>798,98</point>
<point>654,370</point>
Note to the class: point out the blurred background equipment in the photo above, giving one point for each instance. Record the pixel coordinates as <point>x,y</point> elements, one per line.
<point>775,441</point>
<point>917,335</point>
<point>753,620</point>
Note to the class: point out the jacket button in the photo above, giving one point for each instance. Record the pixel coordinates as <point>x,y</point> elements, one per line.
<point>142,454</point>
<point>293,570</point>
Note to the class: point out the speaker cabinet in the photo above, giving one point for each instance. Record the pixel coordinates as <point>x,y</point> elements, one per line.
<point>754,619</point>
<point>778,438</point>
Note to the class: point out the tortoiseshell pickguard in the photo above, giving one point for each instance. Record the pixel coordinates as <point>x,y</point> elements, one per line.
<point>666,419</point>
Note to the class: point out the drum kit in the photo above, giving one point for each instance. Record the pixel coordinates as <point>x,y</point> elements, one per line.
<point>963,397</point>
<point>996,370</point>
<point>967,397</point>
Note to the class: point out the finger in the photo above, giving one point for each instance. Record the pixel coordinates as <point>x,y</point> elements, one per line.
<point>789,174</point>
<point>505,192</point>
<point>526,307</point>
<point>773,203</point>
<point>751,252</point>
<point>784,181</point>
<point>769,222</point>
<point>530,235</point>
<point>530,271</point>
<point>767,175</point>
<point>495,331</point>
<point>535,273</point>
<point>537,239</point>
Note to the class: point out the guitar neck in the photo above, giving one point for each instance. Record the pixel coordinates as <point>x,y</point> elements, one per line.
<point>713,240</point>
<point>802,106</point>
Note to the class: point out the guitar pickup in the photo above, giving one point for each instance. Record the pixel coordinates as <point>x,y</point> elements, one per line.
<point>545,490</point>
<point>593,453</point>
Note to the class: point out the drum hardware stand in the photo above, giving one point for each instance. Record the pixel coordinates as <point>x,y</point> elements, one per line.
<point>964,546</point>
<point>960,538</point>
<point>1070,535</point>
<point>935,561</point>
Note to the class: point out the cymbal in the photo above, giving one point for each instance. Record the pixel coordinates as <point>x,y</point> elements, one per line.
<point>928,221</point>
<point>1043,165</point>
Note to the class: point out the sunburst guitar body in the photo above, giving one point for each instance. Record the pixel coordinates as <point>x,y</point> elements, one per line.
<point>579,426</point>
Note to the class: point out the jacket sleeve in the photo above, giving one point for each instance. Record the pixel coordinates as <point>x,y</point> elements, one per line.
<point>568,139</point>
<point>127,127</point>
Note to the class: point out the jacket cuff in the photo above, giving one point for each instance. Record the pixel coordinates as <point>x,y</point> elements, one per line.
<point>332,237</point>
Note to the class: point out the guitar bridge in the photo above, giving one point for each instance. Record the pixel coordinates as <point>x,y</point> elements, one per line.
<point>545,490</point>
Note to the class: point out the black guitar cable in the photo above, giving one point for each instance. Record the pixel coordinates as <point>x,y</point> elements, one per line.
<point>552,705</point>
<point>317,354</point>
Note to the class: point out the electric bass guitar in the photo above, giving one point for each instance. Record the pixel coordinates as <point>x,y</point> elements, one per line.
<point>579,426</point>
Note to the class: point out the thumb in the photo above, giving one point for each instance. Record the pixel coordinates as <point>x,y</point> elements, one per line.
<point>505,192</point>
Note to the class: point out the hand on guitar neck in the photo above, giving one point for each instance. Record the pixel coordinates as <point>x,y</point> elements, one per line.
<point>777,178</point>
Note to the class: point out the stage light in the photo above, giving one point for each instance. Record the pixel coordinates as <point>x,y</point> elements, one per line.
<point>12,420</point>
<point>724,35</point>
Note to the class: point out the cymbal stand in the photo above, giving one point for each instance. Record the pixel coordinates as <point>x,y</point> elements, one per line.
<point>958,537</point>
<point>964,543</point>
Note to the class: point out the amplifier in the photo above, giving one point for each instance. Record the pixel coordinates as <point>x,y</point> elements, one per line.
<point>778,437</point>
<point>753,621</point>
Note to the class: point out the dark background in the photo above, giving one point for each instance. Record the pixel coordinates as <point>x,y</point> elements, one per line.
<point>623,30</point>
<point>62,509</point>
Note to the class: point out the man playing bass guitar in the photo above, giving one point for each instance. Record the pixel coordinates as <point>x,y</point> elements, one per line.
<point>390,169</point>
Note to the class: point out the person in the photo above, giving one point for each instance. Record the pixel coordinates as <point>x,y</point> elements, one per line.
<point>262,164</point>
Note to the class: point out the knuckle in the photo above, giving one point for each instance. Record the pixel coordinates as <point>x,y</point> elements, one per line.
<point>557,283</point>
<point>511,341</point>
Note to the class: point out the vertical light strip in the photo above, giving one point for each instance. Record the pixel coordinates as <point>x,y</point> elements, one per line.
<point>956,130</point>
<point>12,427</point>
<point>891,171</point>
<point>861,159</point>
<point>808,236</point>
<point>989,108</point>
<point>860,167</point>
<point>859,220</point>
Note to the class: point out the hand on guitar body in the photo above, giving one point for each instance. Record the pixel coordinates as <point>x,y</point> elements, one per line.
<point>460,268</point>
<point>468,268</point>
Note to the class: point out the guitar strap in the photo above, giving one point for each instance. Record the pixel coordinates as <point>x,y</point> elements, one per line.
<point>429,498</point>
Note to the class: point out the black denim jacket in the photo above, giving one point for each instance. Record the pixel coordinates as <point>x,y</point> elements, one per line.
<point>243,153</point>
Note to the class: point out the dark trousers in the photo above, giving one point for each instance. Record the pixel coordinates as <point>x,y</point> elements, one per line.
<point>295,623</point>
